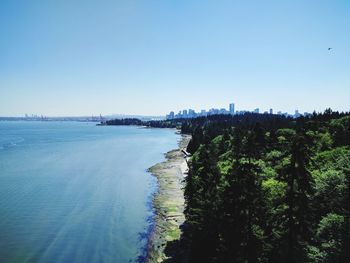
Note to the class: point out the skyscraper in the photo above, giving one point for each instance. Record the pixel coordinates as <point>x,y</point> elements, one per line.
<point>232,108</point>
<point>191,113</point>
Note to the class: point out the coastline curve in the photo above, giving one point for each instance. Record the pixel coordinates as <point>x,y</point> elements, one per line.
<point>168,201</point>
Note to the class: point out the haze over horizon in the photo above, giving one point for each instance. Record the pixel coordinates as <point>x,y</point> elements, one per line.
<point>152,57</point>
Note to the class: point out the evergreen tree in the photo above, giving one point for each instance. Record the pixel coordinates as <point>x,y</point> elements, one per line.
<point>299,182</point>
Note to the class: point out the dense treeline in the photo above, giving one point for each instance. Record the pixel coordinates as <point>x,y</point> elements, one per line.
<point>267,189</point>
<point>127,121</point>
<point>264,188</point>
<point>138,122</point>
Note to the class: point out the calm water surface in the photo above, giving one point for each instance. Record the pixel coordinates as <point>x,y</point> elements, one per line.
<point>75,192</point>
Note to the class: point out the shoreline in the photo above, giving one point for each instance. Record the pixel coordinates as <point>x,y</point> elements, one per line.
<point>168,201</point>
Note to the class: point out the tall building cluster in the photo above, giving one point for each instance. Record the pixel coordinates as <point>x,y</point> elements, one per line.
<point>190,113</point>
<point>193,114</point>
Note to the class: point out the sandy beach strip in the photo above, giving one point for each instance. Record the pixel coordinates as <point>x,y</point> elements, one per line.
<point>169,200</point>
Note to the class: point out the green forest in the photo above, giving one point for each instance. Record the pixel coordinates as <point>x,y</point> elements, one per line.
<point>266,188</point>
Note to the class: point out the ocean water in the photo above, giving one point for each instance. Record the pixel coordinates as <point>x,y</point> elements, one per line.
<point>77,192</point>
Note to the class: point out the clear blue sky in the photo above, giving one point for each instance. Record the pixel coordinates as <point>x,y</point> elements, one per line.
<point>149,57</point>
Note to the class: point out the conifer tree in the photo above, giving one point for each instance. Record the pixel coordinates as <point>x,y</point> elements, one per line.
<point>299,182</point>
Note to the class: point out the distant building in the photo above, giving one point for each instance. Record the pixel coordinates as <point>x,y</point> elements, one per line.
<point>232,108</point>
<point>178,115</point>
<point>223,111</point>
<point>256,110</point>
<point>170,116</point>
<point>271,111</point>
<point>213,111</point>
<point>191,113</point>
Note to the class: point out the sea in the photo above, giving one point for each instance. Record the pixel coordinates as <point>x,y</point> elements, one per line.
<point>77,192</point>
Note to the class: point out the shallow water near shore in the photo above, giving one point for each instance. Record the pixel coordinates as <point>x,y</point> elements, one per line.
<point>75,192</point>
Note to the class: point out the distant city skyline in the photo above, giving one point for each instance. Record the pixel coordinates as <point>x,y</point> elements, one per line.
<point>190,113</point>
<point>64,58</point>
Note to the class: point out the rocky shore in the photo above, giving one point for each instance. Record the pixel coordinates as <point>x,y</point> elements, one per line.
<point>169,200</point>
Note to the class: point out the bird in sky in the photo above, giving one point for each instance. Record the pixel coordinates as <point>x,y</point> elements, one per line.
<point>329,48</point>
